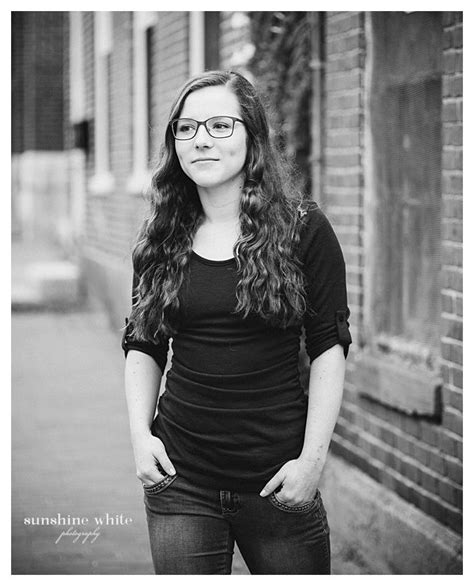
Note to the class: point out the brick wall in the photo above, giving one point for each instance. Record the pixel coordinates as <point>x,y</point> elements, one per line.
<point>112,219</point>
<point>117,206</point>
<point>452,296</point>
<point>417,458</point>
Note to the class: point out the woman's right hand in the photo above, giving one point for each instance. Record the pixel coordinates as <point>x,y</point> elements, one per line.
<point>150,451</point>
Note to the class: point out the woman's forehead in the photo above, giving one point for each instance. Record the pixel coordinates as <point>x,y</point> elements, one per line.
<point>210,101</point>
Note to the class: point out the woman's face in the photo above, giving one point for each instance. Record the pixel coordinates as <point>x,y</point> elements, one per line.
<point>212,162</point>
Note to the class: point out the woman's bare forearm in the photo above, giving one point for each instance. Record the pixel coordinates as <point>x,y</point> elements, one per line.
<point>326,385</point>
<point>142,383</point>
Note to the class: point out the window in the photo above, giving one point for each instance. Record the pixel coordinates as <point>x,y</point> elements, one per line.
<point>211,34</point>
<point>203,41</point>
<point>102,182</point>
<point>143,29</point>
<point>403,192</point>
<point>76,74</point>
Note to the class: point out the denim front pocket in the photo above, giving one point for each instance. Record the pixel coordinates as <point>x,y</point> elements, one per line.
<point>293,508</point>
<point>159,486</point>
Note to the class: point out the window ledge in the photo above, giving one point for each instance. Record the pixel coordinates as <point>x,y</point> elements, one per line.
<point>412,389</point>
<point>101,184</point>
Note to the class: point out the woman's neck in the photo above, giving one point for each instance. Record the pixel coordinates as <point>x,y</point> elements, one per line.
<point>221,204</point>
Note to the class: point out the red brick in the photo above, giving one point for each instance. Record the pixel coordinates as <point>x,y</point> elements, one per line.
<point>452,133</point>
<point>447,39</point>
<point>349,239</point>
<point>449,62</point>
<point>458,62</point>
<point>451,352</point>
<point>451,254</point>
<point>452,206</point>
<point>454,519</point>
<point>340,217</point>
<point>452,86</point>
<point>447,303</point>
<point>457,377</point>
<point>452,398</point>
<point>343,43</point>
<point>452,159</point>
<point>348,80</point>
<point>337,179</point>
<point>429,481</point>
<point>459,306</point>
<point>346,101</point>
<point>452,328</point>
<point>457,37</point>
<point>345,139</point>
<point>452,421</point>
<point>344,22</point>
<point>403,443</point>
<point>430,433</point>
<point>448,18</point>
<point>344,119</point>
<point>451,493</point>
<point>348,62</point>
<point>448,443</point>
<point>449,112</point>
<point>436,462</point>
<point>452,278</point>
<point>454,470</point>
<point>335,159</point>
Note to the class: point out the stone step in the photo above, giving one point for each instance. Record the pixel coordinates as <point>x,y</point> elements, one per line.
<point>47,284</point>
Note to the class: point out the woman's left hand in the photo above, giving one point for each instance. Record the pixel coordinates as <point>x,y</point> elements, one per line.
<point>300,480</point>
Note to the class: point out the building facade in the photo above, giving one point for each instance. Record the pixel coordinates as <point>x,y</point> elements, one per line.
<point>40,198</point>
<point>384,154</point>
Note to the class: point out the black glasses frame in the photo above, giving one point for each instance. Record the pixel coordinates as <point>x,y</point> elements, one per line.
<point>204,123</point>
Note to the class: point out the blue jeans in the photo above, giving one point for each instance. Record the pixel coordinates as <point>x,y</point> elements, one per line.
<point>192,530</point>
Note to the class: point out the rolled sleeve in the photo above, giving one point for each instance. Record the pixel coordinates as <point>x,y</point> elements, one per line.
<point>158,351</point>
<point>326,320</point>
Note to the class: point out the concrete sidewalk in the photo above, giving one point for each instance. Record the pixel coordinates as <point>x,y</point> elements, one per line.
<point>43,277</point>
<point>71,449</point>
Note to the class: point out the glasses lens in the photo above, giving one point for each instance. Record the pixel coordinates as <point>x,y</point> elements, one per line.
<point>220,126</point>
<point>184,128</point>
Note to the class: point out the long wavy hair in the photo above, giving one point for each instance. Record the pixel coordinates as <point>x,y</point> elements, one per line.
<point>271,283</point>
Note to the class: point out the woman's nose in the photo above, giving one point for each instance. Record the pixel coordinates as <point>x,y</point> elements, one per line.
<point>202,138</point>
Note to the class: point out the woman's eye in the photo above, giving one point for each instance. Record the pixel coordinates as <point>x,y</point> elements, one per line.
<point>220,126</point>
<point>185,128</point>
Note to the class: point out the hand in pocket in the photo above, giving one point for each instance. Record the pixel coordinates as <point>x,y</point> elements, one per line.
<point>150,454</point>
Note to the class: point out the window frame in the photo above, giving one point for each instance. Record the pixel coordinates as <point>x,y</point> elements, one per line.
<point>391,370</point>
<point>102,181</point>
<point>141,173</point>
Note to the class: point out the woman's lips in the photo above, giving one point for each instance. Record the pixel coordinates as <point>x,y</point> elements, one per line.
<point>204,160</point>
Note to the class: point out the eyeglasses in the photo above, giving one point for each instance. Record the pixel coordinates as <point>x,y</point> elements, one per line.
<point>217,127</point>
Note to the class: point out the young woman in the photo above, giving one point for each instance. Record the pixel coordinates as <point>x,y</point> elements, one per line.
<point>231,265</point>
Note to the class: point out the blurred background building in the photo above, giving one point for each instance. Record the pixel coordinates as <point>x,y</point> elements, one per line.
<point>368,106</point>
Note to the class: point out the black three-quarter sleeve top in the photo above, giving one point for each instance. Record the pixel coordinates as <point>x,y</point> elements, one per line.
<point>233,410</point>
